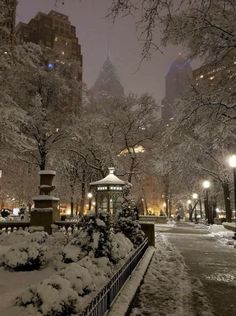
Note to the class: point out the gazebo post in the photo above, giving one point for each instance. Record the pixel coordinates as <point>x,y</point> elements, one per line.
<point>108,203</point>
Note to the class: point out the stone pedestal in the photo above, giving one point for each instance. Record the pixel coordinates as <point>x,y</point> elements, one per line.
<point>45,211</point>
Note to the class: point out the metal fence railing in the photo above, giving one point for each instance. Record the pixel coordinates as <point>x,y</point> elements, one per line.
<point>104,299</point>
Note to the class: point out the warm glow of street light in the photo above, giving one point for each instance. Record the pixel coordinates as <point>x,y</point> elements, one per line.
<point>232,161</point>
<point>206,184</point>
<point>195,196</point>
<point>189,202</point>
<point>90,195</point>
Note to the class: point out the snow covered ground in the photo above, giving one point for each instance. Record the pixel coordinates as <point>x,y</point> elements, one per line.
<point>57,286</point>
<point>168,288</point>
<point>223,235</point>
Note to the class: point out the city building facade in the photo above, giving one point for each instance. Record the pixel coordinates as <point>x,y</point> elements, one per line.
<point>55,33</point>
<point>177,81</point>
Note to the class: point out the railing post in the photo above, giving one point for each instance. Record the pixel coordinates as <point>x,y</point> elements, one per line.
<point>108,297</point>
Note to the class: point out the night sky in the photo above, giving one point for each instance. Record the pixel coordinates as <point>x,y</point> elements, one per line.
<point>96,33</point>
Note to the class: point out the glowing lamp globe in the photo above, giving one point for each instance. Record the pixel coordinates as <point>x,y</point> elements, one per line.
<point>206,184</point>
<point>232,161</point>
<point>195,196</point>
<point>90,195</point>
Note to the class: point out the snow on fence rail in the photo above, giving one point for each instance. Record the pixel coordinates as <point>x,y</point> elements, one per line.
<point>106,297</point>
<point>12,226</point>
<point>66,227</point>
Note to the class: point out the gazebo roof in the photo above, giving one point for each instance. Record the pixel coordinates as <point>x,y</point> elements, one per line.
<point>110,179</point>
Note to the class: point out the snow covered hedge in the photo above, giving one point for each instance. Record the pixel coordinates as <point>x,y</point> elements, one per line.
<point>23,257</point>
<point>128,224</point>
<point>23,251</point>
<point>96,236</point>
<point>67,292</point>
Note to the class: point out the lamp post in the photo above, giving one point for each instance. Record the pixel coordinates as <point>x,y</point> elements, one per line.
<point>206,185</point>
<point>232,163</point>
<point>1,205</point>
<point>195,198</point>
<point>189,202</point>
<point>90,196</point>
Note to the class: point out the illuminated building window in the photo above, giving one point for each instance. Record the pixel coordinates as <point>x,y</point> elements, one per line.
<point>56,39</point>
<point>63,53</point>
<point>212,77</point>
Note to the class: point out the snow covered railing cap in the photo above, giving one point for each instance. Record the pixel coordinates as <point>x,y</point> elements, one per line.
<point>47,172</point>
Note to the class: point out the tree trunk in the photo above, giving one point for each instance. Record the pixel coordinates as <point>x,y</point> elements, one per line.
<point>71,206</point>
<point>77,207</point>
<point>83,191</point>
<point>166,193</point>
<point>228,210</point>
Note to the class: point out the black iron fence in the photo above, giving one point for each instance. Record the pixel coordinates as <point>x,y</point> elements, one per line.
<point>104,299</point>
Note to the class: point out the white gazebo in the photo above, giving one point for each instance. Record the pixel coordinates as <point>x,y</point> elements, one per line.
<point>108,192</point>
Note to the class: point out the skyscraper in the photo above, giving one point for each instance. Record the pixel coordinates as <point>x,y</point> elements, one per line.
<point>7,21</point>
<point>108,83</point>
<point>177,82</point>
<point>54,32</point>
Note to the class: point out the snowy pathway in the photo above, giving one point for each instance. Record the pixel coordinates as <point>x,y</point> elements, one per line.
<point>167,288</point>
<point>211,261</point>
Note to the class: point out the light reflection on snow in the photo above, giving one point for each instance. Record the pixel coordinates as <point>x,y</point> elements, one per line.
<point>222,277</point>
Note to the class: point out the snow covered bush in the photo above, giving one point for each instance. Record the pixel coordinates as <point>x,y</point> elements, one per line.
<point>52,297</point>
<point>23,257</point>
<point>67,292</point>
<point>129,226</point>
<point>121,246</point>
<point>94,236</point>
<point>39,237</point>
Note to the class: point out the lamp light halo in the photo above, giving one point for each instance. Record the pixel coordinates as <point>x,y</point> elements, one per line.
<point>206,184</point>
<point>232,161</point>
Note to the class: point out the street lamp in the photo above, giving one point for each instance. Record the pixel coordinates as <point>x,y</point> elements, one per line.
<point>189,203</point>
<point>206,185</point>
<point>195,198</point>
<point>90,195</point>
<point>232,163</point>
<point>1,205</point>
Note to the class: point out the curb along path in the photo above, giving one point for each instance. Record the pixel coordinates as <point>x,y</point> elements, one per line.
<point>125,298</point>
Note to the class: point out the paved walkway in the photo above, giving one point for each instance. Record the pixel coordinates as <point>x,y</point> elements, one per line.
<point>191,274</point>
<point>211,262</point>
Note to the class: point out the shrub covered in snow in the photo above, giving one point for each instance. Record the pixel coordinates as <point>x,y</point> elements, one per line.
<point>67,292</point>
<point>52,297</point>
<point>39,237</point>
<point>121,246</point>
<point>128,224</point>
<point>94,236</point>
<point>23,257</point>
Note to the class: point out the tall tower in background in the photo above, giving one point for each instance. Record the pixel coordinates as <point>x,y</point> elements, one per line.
<point>54,32</point>
<point>108,83</point>
<point>177,82</point>
<point>7,21</point>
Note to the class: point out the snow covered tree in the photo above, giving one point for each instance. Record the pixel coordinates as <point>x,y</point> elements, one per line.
<point>40,136</point>
<point>128,224</point>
